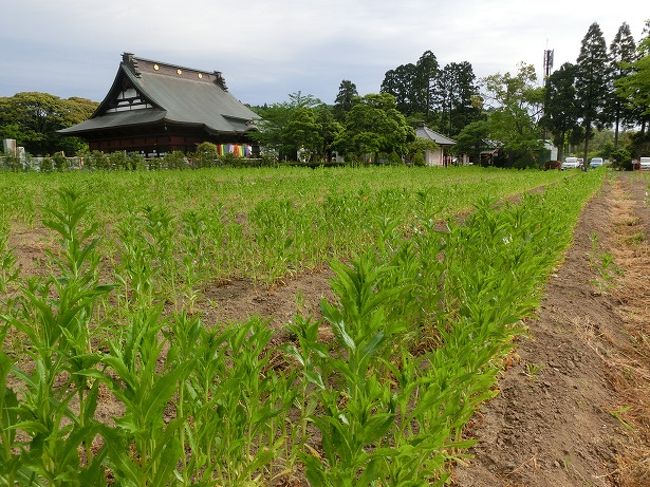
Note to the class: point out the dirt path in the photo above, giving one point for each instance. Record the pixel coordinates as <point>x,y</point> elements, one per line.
<point>559,418</point>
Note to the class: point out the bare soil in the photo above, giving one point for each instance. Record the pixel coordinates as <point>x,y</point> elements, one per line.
<point>566,415</point>
<point>30,246</point>
<point>239,299</point>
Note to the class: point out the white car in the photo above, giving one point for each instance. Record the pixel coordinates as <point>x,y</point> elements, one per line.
<point>596,162</point>
<point>570,163</point>
<point>644,163</point>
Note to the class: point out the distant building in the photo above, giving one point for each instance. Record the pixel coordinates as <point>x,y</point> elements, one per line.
<point>154,107</point>
<point>491,151</point>
<point>440,156</point>
<point>551,151</point>
<point>9,147</point>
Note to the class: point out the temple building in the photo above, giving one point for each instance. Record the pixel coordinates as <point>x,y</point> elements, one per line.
<point>440,156</point>
<point>154,107</point>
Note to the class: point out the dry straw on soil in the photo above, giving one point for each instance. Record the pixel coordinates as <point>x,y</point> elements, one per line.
<point>630,362</point>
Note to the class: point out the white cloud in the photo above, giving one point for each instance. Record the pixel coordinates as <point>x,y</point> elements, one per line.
<point>267,49</point>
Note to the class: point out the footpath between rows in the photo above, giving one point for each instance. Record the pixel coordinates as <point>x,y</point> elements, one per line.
<point>574,406</point>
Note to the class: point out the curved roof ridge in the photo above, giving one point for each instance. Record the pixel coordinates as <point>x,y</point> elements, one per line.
<point>426,133</point>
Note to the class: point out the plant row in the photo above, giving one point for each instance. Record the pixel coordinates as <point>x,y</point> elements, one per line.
<point>207,225</point>
<point>419,326</point>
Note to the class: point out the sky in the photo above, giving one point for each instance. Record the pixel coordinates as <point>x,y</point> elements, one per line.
<point>267,49</point>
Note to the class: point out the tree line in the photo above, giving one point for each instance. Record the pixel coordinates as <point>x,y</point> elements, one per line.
<point>32,118</point>
<point>604,88</point>
<point>508,115</point>
<point>367,128</point>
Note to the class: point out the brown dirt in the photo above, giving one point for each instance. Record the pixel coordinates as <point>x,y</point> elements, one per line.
<point>239,299</point>
<point>559,417</point>
<point>29,246</point>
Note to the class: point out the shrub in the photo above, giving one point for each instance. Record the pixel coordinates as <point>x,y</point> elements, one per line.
<point>97,160</point>
<point>135,161</point>
<point>418,159</point>
<point>621,159</point>
<point>60,161</point>
<point>418,148</point>
<point>206,155</point>
<point>227,159</point>
<point>552,165</point>
<point>47,164</point>
<point>394,159</point>
<point>268,160</point>
<point>175,160</point>
<point>11,162</point>
<point>118,160</point>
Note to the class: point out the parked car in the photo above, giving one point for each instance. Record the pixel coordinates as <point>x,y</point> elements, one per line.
<point>644,163</point>
<point>571,163</point>
<point>596,162</point>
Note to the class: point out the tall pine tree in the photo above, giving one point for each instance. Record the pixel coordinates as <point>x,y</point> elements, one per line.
<point>560,110</point>
<point>427,72</point>
<point>622,53</point>
<point>635,90</point>
<point>453,95</point>
<point>345,99</point>
<point>401,82</point>
<point>592,81</point>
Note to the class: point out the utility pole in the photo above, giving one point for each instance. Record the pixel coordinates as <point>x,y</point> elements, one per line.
<point>548,69</point>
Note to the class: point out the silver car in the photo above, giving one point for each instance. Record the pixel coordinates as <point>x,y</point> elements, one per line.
<point>570,163</point>
<point>644,163</point>
<point>596,162</point>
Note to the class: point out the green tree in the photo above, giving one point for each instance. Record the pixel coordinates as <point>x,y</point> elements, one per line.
<point>33,118</point>
<point>560,106</point>
<point>515,103</point>
<point>635,86</point>
<point>416,149</point>
<point>345,99</point>
<point>206,155</point>
<point>454,94</point>
<point>401,83</point>
<point>302,124</point>
<point>471,140</point>
<point>622,52</point>
<point>330,130</point>
<point>622,159</point>
<point>592,81</point>
<point>375,125</point>
<point>426,74</point>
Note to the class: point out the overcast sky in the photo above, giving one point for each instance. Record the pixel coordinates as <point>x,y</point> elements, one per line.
<point>267,49</point>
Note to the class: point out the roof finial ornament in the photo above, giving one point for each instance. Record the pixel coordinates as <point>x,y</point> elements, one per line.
<point>220,80</point>
<point>129,59</point>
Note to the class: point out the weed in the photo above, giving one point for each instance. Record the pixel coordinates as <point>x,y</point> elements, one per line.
<point>636,238</point>
<point>619,414</point>
<point>533,370</point>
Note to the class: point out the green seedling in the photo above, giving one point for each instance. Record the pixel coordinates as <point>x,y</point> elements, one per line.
<point>619,414</point>
<point>533,370</point>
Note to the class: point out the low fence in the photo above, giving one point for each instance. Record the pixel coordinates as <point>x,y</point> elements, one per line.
<point>49,164</point>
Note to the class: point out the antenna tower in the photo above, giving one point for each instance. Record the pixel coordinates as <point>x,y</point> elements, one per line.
<point>548,63</point>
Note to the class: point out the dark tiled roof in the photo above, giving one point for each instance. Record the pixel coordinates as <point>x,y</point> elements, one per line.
<point>120,119</point>
<point>178,95</point>
<point>425,132</point>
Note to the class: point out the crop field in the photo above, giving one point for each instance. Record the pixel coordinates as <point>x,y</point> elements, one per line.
<point>111,372</point>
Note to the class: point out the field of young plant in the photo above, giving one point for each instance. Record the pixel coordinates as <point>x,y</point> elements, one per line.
<point>422,317</point>
<point>262,224</point>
